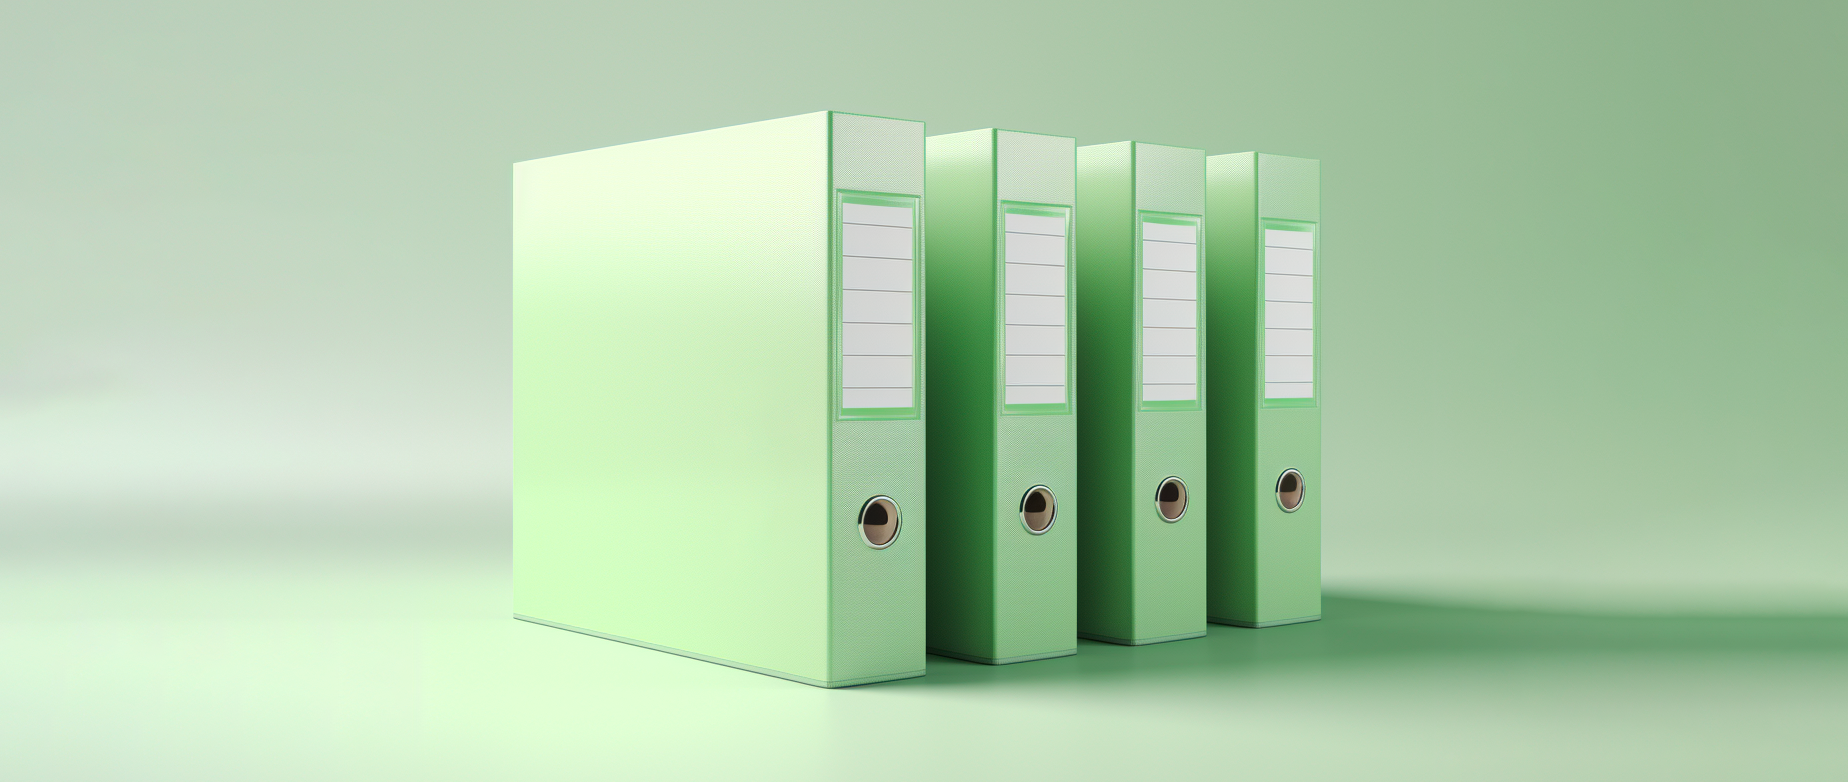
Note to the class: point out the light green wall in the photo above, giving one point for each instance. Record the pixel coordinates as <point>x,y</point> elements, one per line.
<point>1583,280</point>
<point>254,404</point>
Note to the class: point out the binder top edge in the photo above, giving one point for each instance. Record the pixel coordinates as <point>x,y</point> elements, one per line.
<point>1134,142</point>
<point>998,131</point>
<point>872,116</point>
<point>825,112</point>
<point>1268,154</point>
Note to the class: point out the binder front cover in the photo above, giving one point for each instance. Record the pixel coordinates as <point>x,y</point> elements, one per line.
<point>718,396</point>
<point>1142,436</point>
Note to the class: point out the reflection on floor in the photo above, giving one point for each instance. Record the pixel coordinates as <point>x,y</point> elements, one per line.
<point>1361,631</point>
<point>246,667</point>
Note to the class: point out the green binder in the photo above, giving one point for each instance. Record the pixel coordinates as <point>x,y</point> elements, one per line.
<point>1264,541</point>
<point>1003,479</point>
<point>1142,437</point>
<point>718,396</point>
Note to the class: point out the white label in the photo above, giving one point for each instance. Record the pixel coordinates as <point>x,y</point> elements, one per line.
<point>875,274</point>
<point>1173,256</point>
<point>1170,369</point>
<point>1035,311</point>
<point>1289,314</point>
<point>1152,392</point>
<point>878,331</point>
<point>1289,287</point>
<point>1298,239</point>
<point>875,397</point>
<point>867,214</point>
<point>1169,342</point>
<point>1289,390</point>
<point>1037,280</point>
<point>1033,250</point>
<point>1165,232</point>
<point>1035,395</point>
<point>1036,340</point>
<point>875,241</point>
<point>1170,258</point>
<point>1036,370</point>
<point>876,339</point>
<point>875,307</point>
<point>1289,342</point>
<point>1159,284</point>
<point>1169,314</point>
<point>1035,224</point>
<point>876,371</point>
<point>1283,260</point>
<point>1289,369</point>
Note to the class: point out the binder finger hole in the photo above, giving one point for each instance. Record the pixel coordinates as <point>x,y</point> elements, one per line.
<point>1038,509</point>
<point>879,521</point>
<point>1290,490</point>
<point>1171,499</point>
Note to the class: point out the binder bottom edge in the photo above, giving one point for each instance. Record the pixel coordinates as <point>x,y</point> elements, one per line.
<point>884,677</point>
<point>1160,639</point>
<point>1022,658</point>
<point>1273,623</point>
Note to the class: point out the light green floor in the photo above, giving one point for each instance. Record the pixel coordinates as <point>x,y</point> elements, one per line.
<point>409,666</point>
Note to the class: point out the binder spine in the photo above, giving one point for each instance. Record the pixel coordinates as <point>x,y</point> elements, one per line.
<point>1002,477</point>
<point>1289,428</point>
<point>1265,565</point>
<point>1143,432</point>
<point>1170,584</point>
<point>1036,432</point>
<point>877,505</point>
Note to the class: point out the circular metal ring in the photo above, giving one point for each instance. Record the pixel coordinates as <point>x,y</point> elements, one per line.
<point>880,511</point>
<point>1171,499</point>
<point>1291,490</point>
<point>1046,512</point>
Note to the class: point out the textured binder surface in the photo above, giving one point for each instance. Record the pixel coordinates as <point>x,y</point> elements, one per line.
<point>1141,577</point>
<point>694,440</point>
<point>1002,420</point>
<point>1264,340</point>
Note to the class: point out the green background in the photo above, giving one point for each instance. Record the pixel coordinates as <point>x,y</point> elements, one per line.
<point>1583,379</point>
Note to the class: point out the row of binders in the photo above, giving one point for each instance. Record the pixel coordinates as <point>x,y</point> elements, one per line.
<point>814,396</point>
